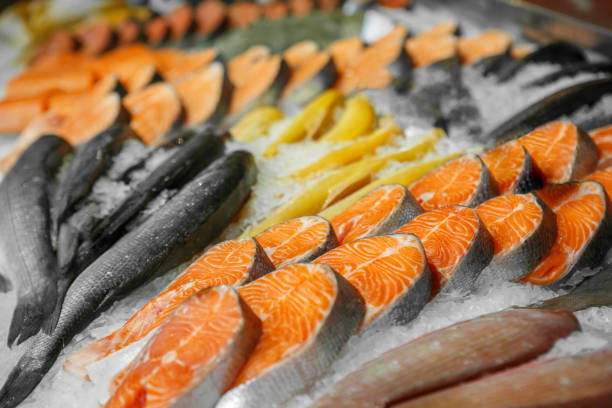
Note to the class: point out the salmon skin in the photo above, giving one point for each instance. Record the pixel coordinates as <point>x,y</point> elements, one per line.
<point>560,53</point>
<point>88,163</point>
<point>457,245</point>
<point>308,312</point>
<point>81,242</point>
<point>209,337</point>
<point>450,356</point>
<point>523,229</point>
<point>297,240</point>
<point>232,263</point>
<point>174,234</point>
<point>583,380</point>
<point>512,168</point>
<point>25,246</point>
<point>391,274</point>
<point>380,212</point>
<point>554,106</point>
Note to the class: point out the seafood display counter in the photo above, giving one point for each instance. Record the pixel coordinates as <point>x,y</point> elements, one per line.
<point>305,204</point>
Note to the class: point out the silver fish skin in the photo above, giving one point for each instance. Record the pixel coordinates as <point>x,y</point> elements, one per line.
<point>172,235</point>
<point>25,243</point>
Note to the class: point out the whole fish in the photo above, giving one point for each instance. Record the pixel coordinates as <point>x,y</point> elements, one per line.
<point>85,237</point>
<point>172,235</point>
<point>25,244</point>
<point>449,356</point>
<point>86,166</point>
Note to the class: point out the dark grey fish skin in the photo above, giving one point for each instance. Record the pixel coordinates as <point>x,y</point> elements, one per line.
<point>86,166</point>
<point>173,235</point>
<point>5,284</point>
<point>560,52</point>
<point>560,103</point>
<point>571,70</point>
<point>84,239</point>
<point>25,244</point>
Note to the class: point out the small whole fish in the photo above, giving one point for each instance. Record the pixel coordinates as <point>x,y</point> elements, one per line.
<point>25,244</point>
<point>172,235</point>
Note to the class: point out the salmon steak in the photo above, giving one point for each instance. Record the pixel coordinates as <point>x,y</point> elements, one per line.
<point>15,114</point>
<point>451,355</point>
<point>561,152</point>
<point>487,44</point>
<point>205,94</point>
<point>463,181</point>
<point>313,75</point>
<point>511,168</point>
<point>195,355</point>
<point>523,229</point>
<point>308,312</point>
<point>297,240</point>
<point>603,177</point>
<point>457,245</point>
<point>391,274</point>
<point>583,380</point>
<point>583,232</point>
<point>379,212</point>
<point>603,140</point>
<point>300,53</point>
<point>231,263</point>
<point>156,110</point>
<point>174,64</point>
<point>344,52</point>
<point>210,16</point>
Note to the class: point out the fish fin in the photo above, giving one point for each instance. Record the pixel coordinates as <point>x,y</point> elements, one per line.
<point>26,321</point>
<point>5,284</point>
<point>67,244</point>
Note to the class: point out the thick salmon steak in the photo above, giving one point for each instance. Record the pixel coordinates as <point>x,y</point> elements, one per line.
<point>451,355</point>
<point>379,212</point>
<point>584,380</point>
<point>463,181</point>
<point>228,263</point>
<point>308,312</point>
<point>390,272</point>
<point>297,240</point>
<point>583,231</point>
<point>523,229</point>
<point>457,245</point>
<point>561,152</point>
<point>195,355</point>
<point>511,167</point>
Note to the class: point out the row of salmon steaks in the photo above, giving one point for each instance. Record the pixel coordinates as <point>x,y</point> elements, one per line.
<point>376,264</point>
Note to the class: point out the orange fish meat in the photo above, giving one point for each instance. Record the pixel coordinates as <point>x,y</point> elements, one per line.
<point>389,271</point>
<point>194,356</point>
<point>457,245</point>
<point>379,212</point>
<point>463,181</point>
<point>523,229</point>
<point>297,240</point>
<point>511,168</point>
<point>583,232</point>
<point>308,312</point>
<point>561,152</point>
<point>603,140</point>
<point>228,263</point>
<point>487,44</point>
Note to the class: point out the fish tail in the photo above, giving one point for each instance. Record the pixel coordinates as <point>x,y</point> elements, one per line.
<point>25,376</point>
<point>5,284</point>
<point>31,311</point>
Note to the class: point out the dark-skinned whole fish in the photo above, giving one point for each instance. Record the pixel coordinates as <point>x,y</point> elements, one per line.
<point>25,245</point>
<point>84,238</point>
<point>172,235</point>
<point>88,163</point>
